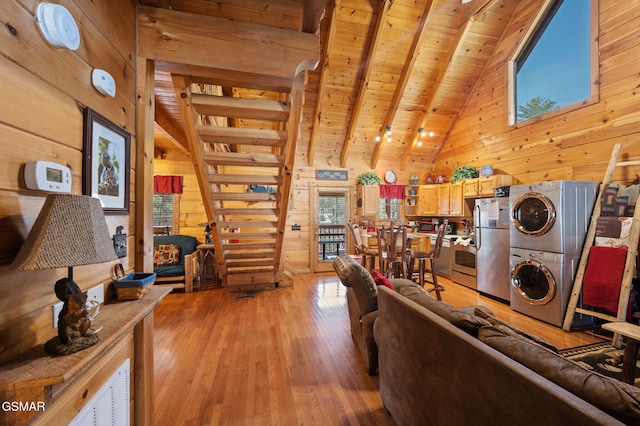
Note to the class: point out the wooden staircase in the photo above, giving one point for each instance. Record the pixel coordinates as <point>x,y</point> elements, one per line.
<point>239,88</point>
<point>243,150</point>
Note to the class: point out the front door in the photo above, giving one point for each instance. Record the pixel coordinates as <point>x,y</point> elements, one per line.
<point>329,213</point>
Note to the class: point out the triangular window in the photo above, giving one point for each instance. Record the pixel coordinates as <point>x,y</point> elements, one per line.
<point>553,67</point>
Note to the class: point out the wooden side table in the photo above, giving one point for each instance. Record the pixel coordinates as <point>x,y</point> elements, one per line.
<point>631,333</point>
<point>208,266</point>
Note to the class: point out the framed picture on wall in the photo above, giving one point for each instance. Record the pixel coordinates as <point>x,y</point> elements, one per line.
<point>106,162</point>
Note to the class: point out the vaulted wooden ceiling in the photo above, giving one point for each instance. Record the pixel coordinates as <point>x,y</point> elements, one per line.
<point>407,64</point>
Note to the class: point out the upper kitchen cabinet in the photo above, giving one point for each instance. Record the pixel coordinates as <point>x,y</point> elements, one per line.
<point>428,200</point>
<point>483,186</point>
<point>368,199</point>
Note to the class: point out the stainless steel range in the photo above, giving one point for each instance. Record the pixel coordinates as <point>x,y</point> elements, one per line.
<point>463,264</point>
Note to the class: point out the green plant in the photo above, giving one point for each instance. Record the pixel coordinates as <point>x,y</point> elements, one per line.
<point>369,178</point>
<point>464,172</point>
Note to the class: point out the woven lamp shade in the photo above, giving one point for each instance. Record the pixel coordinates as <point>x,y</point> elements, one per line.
<point>70,231</point>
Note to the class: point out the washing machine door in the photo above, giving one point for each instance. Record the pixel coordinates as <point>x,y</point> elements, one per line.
<point>533,282</point>
<point>533,214</point>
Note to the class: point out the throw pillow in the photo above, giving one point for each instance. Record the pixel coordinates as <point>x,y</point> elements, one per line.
<point>612,396</point>
<point>381,279</point>
<point>509,329</point>
<point>166,254</point>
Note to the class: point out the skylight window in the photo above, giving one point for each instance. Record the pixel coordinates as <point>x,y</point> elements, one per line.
<point>553,69</point>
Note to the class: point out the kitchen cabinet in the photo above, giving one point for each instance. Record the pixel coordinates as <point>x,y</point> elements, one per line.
<point>456,200</point>
<point>428,200</point>
<point>411,205</point>
<point>368,200</point>
<point>443,191</point>
<point>483,186</point>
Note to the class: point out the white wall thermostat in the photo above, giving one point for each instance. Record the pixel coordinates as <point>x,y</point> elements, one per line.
<point>47,176</point>
<point>103,82</point>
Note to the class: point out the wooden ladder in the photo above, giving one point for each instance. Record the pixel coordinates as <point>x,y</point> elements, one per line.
<point>632,252</point>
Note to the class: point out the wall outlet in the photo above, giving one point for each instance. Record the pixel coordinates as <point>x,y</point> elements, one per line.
<point>94,293</point>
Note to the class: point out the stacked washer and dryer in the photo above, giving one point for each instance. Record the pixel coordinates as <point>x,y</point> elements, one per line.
<point>549,222</point>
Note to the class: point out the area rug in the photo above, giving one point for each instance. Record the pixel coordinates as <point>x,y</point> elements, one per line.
<point>599,357</point>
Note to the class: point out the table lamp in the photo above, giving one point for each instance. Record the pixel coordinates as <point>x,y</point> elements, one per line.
<point>70,230</point>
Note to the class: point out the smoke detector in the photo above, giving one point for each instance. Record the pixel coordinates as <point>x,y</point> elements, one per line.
<point>58,26</point>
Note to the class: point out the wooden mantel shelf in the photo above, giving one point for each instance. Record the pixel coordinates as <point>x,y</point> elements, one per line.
<point>36,368</point>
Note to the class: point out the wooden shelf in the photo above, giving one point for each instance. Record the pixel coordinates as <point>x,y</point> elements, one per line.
<point>37,368</point>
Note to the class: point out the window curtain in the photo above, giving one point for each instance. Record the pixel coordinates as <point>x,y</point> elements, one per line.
<point>167,184</point>
<point>392,191</point>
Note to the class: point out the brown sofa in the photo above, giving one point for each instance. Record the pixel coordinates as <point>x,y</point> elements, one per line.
<point>440,365</point>
<point>362,294</point>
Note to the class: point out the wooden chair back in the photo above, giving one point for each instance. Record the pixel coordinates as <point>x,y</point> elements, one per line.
<point>435,250</point>
<point>392,247</point>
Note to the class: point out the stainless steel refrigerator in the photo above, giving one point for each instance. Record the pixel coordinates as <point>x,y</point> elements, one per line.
<point>491,229</point>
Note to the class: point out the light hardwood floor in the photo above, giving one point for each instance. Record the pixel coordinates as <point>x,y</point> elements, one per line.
<point>280,357</point>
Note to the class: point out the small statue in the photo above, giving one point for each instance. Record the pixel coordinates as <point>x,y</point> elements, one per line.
<point>74,321</point>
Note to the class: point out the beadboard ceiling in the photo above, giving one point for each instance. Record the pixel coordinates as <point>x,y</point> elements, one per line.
<point>408,64</point>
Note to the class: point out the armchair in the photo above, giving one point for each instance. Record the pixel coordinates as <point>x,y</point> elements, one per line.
<point>175,260</point>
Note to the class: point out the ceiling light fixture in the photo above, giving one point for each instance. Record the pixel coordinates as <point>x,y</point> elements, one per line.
<point>387,133</point>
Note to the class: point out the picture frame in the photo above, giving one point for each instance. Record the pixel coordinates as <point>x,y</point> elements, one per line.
<point>106,162</point>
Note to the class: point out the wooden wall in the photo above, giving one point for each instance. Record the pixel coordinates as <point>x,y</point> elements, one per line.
<point>43,92</point>
<point>191,207</point>
<point>572,145</point>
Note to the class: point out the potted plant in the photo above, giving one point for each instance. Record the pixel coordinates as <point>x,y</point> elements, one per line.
<point>369,178</point>
<point>464,172</point>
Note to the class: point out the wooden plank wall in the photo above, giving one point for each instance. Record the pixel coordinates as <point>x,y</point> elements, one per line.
<point>573,145</point>
<point>191,207</point>
<point>43,92</point>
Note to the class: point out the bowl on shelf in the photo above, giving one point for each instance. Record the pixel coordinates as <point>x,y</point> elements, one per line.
<point>486,171</point>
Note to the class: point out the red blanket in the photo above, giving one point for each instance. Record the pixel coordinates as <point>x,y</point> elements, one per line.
<point>603,277</point>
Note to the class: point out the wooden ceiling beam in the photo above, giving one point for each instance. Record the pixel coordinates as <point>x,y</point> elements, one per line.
<point>188,38</point>
<point>404,77</point>
<point>175,135</point>
<point>456,55</point>
<point>369,62</point>
<point>322,86</point>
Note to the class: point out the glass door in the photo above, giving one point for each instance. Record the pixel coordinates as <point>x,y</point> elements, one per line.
<point>329,219</point>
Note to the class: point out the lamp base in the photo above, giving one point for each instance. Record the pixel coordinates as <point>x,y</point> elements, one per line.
<point>55,346</point>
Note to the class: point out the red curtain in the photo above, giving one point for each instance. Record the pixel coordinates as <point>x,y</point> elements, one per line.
<point>392,191</point>
<point>167,184</point>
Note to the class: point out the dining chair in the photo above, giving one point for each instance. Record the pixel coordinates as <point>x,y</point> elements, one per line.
<point>393,254</point>
<point>361,248</point>
<point>431,255</point>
